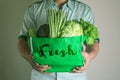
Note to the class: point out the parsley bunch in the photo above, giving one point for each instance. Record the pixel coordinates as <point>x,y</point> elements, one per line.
<point>90,31</point>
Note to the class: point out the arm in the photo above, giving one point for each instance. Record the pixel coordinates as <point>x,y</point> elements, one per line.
<point>24,50</point>
<point>28,23</point>
<point>92,50</point>
<point>89,54</point>
<point>25,53</point>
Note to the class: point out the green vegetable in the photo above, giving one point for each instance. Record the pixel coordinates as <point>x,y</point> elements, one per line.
<point>56,20</point>
<point>72,28</point>
<point>59,27</point>
<point>43,31</point>
<point>31,33</point>
<point>90,31</point>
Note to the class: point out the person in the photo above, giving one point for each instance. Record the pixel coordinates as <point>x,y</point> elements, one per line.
<point>35,16</point>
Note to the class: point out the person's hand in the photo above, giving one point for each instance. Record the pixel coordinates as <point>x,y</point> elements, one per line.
<point>86,65</point>
<point>37,67</point>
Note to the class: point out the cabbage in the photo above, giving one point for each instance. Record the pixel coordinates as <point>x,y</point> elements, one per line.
<point>72,28</point>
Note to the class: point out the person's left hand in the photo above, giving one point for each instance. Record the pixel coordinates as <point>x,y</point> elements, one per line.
<point>86,65</point>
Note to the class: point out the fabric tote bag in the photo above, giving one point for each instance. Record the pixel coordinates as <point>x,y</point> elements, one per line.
<point>62,54</point>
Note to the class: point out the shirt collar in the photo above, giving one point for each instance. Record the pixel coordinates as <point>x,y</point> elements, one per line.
<point>69,4</point>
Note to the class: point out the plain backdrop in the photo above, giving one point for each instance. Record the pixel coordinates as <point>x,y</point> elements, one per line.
<point>104,67</point>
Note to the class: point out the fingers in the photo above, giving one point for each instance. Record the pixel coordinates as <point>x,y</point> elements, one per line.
<point>79,70</point>
<point>40,68</point>
<point>37,67</point>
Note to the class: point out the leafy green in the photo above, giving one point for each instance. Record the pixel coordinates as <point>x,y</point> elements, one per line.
<point>72,28</point>
<point>60,27</point>
<point>90,31</point>
<point>32,33</point>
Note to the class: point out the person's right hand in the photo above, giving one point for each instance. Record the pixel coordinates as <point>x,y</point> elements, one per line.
<point>37,67</point>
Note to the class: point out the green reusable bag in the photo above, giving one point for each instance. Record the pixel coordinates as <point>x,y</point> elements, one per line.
<point>62,54</point>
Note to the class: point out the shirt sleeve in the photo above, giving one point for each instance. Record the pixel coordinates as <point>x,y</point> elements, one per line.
<point>88,15</point>
<point>28,22</point>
